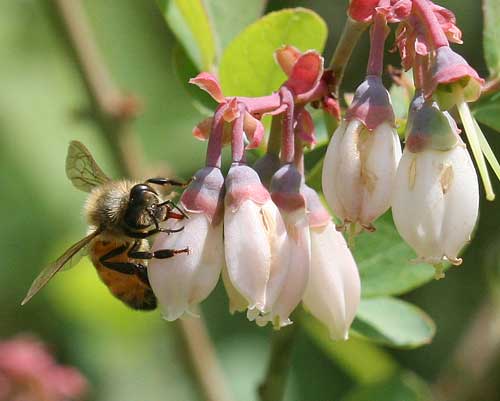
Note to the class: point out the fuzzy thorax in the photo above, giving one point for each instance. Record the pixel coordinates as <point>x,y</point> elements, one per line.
<point>106,205</point>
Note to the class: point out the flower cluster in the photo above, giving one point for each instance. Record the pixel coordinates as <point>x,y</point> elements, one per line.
<point>261,226</point>
<point>29,373</point>
<point>432,187</point>
<point>268,234</point>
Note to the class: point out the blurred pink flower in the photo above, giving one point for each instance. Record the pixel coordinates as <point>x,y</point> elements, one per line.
<point>28,372</point>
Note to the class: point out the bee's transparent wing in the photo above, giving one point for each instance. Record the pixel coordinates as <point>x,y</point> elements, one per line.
<point>75,259</point>
<point>82,169</point>
<point>49,272</point>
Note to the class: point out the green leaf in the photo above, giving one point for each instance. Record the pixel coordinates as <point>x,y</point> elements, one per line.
<point>393,322</point>
<point>315,156</point>
<point>190,22</point>
<point>361,360</point>
<point>231,17</point>
<point>384,262</point>
<point>491,35</point>
<point>185,70</point>
<point>247,67</point>
<point>488,112</point>
<point>401,96</point>
<point>405,386</point>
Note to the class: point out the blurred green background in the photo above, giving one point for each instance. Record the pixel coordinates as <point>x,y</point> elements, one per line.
<point>130,356</point>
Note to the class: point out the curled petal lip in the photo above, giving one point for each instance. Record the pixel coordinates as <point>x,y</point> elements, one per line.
<point>286,57</point>
<point>210,84</point>
<point>254,129</point>
<point>306,74</point>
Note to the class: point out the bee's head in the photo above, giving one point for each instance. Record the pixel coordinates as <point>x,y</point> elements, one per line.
<point>141,209</point>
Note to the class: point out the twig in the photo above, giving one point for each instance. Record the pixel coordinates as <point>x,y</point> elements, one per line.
<point>349,38</point>
<point>273,386</point>
<point>491,86</point>
<point>114,110</point>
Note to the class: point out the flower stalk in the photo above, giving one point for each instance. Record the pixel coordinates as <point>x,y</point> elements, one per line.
<point>377,41</point>
<point>214,148</point>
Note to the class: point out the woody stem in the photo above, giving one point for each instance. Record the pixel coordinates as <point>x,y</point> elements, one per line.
<point>349,38</point>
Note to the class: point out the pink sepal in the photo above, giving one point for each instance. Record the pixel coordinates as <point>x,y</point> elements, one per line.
<point>286,188</point>
<point>317,215</point>
<point>331,106</point>
<point>371,104</point>
<point>448,22</point>
<point>398,11</point>
<point>205,193</point>
<point>362,10</point>
<point>286,57</point>
<point>203,129</point>
<point>243,183</point>
<point>254,131</point>
<point>305,127</point>
<point>210,84</point>
<point>232,110</point>
<point>306,73</point>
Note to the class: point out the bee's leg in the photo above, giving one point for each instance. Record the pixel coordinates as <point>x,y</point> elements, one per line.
<point>159,254</point>
<point>166,181</point>
<point>135,253</point>
<point>139,235</point>
<point>172,215</point>
<point>125,267</point>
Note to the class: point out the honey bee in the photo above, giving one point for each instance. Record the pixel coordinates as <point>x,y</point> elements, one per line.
<point>121,216</point>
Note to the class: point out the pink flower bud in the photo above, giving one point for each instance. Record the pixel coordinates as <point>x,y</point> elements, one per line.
<point>333,291</point>
<point>187,279</point>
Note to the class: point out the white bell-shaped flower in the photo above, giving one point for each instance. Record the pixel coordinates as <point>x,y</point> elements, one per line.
<point>253,237</point>
<point>359,171</point>
<point>436,197</point>
<point>361,160</point>
<point>186,279</point>
<point>435,202</point>
<point>292,274</point>
<point>286,191</point>
<point>334,289</point>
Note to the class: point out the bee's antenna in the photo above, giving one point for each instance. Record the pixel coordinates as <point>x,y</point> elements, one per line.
<point>167,181</point>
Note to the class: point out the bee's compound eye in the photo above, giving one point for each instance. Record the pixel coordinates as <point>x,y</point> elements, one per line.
<point>137,192</point>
